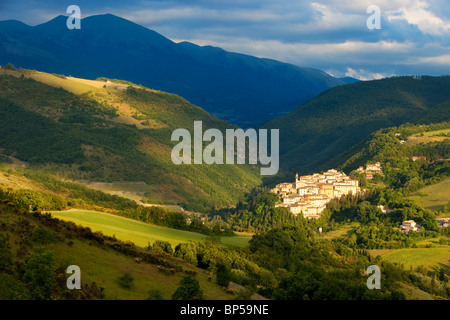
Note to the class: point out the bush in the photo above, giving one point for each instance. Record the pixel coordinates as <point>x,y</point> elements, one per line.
<point>166,271</point>
<point>155,294</point>
<point>10,66</point>
<point>39,274</point>
<point>126,280</point>
<point>5,253</point>
<point>164,246</point>
<point>43,235</point>
<point>189,289</point>
<point>223,275</point>
<point>12,289</point>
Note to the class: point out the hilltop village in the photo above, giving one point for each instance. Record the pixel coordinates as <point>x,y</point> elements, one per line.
<point>309,194</point>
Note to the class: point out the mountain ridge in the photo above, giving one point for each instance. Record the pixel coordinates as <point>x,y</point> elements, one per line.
<point>239,88</point>
<point>313,137</point>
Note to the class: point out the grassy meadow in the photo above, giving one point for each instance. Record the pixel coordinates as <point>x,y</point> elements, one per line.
<point>104,267</point>
<point>139,233</point>
<point>429,136</point>
<point>433,197</point>
<point>427,257</point>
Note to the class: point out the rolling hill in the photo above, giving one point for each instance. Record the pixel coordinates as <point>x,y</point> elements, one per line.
<point>242,89</point>
<point>414,159</point>
<point>112,131</point>
<point>320,133</point>
<point>52,245</point>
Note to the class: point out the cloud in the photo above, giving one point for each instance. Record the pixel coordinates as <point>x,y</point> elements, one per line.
<point>364,75</point>
<point>418,13</point>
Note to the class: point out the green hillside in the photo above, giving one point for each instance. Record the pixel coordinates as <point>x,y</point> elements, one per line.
<point>285,262</point>
<point>403,142</point>
<point>434,197</point>
<point>138,232</point>
<point>112,131</point>
<point>319,131</point>
<point>414,160</point>
<point>35,251</point>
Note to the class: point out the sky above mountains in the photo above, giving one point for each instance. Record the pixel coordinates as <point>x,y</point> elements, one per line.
<point>329,35</point>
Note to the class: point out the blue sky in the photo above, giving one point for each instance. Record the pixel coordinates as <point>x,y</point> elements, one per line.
<point>329,35</point>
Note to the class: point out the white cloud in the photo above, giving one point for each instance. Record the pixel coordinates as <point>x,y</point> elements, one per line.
<point>418,13</point>
<point>364,75</point>
<point>443,60</point>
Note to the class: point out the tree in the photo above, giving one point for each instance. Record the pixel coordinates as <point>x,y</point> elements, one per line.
<point>223,275</point>
<point>187,251</point>
<point>5,253</point>
<point>165,246</point>
<point>39,274</point>
<point>9,66</point>
<point>12,289</point>
<point>189,289</point>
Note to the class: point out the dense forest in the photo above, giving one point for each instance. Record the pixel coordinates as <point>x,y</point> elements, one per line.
<point>288,258</point>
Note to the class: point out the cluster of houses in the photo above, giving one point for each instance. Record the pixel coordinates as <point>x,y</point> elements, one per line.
<point>409,225</point>
<point>371,170</point>
<point>309,194</point>
<point>443,222</point>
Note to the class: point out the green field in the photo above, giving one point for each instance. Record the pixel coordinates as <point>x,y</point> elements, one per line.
<point>139,233</point>
<point>345,230</point>
<point>433,197</point>
<point>428,257</point>
<point>430,136</point>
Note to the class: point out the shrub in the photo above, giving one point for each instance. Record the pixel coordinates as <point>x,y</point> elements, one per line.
<point>39,274</point>
<point>10,66</point>
<point>189,289</point>
<point>166,271</point>
<point>126,280</point>
<point>43,235</point>
<point>155,294</point>
<point>164,246</point>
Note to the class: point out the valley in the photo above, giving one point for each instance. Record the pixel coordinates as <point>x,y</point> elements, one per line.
<point>224,158</point>
<point>89,177</point>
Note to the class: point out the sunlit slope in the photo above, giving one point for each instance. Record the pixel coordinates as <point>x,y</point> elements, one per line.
<point>112,131</point>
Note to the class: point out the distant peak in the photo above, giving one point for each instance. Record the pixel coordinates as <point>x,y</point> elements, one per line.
<point>14,24</point>
<point>56,19</point>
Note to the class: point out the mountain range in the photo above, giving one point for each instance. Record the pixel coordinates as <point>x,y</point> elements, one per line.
<point>241,89</point>
<point>316,134</point>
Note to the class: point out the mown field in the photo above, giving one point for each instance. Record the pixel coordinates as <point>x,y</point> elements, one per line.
<point>139,233</point>
<point>433,197</point>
